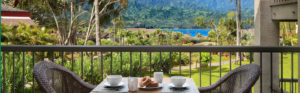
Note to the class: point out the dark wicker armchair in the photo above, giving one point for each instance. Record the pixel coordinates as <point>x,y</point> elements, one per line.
<point>53,78</point>
<point>239,80</point>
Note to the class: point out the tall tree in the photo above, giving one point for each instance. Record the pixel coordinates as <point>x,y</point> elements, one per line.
<point>110,7</point>
<point>90,26</point>
<point>238,17</point>
<point>217,26</point>
<point>118,23</point>
<point>199,35</point>
<point>238,23</point>
<point>61,14</point>
<point>97,21</point>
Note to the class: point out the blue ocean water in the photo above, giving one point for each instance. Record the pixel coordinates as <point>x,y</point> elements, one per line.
<point>192,32</point>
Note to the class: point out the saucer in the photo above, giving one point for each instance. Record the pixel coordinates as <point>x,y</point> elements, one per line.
<point>185,85</point>
<point>107,85</point>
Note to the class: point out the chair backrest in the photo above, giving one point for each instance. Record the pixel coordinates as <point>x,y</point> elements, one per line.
<point>53,78</point>
<point>239,80</point>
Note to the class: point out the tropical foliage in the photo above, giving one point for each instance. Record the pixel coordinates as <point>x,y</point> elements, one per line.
<point>27,35</point>
<point>288,35</point>
<point>176,13</point>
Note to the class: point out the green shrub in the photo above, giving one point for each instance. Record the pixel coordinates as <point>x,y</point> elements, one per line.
<point>27,35</point>
<point>205,57</point>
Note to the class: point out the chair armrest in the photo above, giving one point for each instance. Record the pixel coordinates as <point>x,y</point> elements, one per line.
<point>205,89</point>
<point>218,83</point>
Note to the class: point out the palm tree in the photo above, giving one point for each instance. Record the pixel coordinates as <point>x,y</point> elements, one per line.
<point>156,36</point>
<point>199,35</point>
<point>201,21</point>
<point>238,23</point>
<point>178,37</point>
<point>118,24</point>
<point>109,9</point>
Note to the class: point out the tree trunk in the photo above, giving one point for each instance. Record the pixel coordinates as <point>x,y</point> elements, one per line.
<point>97,21</point>
<point>56,22</point>
<point>283,34</point>
<point>90,27</point>
<point>238,25</point>
<point>65,22</point>
<point>62,34</point>
<point>67,41</point>
<point>217,40</point>
<point>88,34</point>
<point>290,30</point>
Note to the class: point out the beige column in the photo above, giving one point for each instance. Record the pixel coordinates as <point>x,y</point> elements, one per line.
<point>266,34</point>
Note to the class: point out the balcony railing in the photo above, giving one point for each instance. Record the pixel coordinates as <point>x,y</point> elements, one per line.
<point>286,84</point>
<point>93,63</point>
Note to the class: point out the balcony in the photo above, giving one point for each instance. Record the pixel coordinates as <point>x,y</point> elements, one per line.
<point>205,64</point>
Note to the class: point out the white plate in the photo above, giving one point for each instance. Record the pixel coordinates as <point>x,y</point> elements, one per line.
<point>106,84</point>
<point>185,85</point>
<point>150,88</point>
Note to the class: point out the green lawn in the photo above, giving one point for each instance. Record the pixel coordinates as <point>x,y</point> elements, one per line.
<point>215,58</point>
<point>226,68</point>
<point>287,69</point>
<point>205,73</point>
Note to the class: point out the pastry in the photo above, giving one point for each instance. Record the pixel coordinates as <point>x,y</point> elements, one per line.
<point>145,81</point>
<point>153,84</point>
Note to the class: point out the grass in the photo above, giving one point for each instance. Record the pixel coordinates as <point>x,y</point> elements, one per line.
<point>287,69</point>
<point>205,80</point>
<point>215,58</point>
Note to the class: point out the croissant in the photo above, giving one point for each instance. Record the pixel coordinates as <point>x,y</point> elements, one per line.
<point>153,84</point>
<point>145,81</point>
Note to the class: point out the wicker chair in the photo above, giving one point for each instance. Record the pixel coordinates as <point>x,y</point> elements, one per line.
<point>239,80</point>
<point>53,78</point>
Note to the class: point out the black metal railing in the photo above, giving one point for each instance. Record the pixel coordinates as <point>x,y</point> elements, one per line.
<point>93,63</point>
<point>286,84</point>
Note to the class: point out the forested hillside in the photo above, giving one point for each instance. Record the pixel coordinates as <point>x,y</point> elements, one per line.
<point>177,13</point>
<point>218,5</point>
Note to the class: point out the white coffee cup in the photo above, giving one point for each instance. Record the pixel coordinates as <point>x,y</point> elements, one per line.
<point>158,77</point>
<point>114,80</point>
<point>178,80</point>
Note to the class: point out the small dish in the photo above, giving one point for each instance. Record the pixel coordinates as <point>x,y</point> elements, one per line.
<point>107,85</point>
<point>185,85</point>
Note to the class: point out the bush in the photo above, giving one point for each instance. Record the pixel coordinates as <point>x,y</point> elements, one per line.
<point>28,70</point>
<point>205,57</point>
<point>27,35</point>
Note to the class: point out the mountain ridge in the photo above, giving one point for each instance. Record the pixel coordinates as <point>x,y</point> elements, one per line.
<point>217,5</point>
<point>175,13</point>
